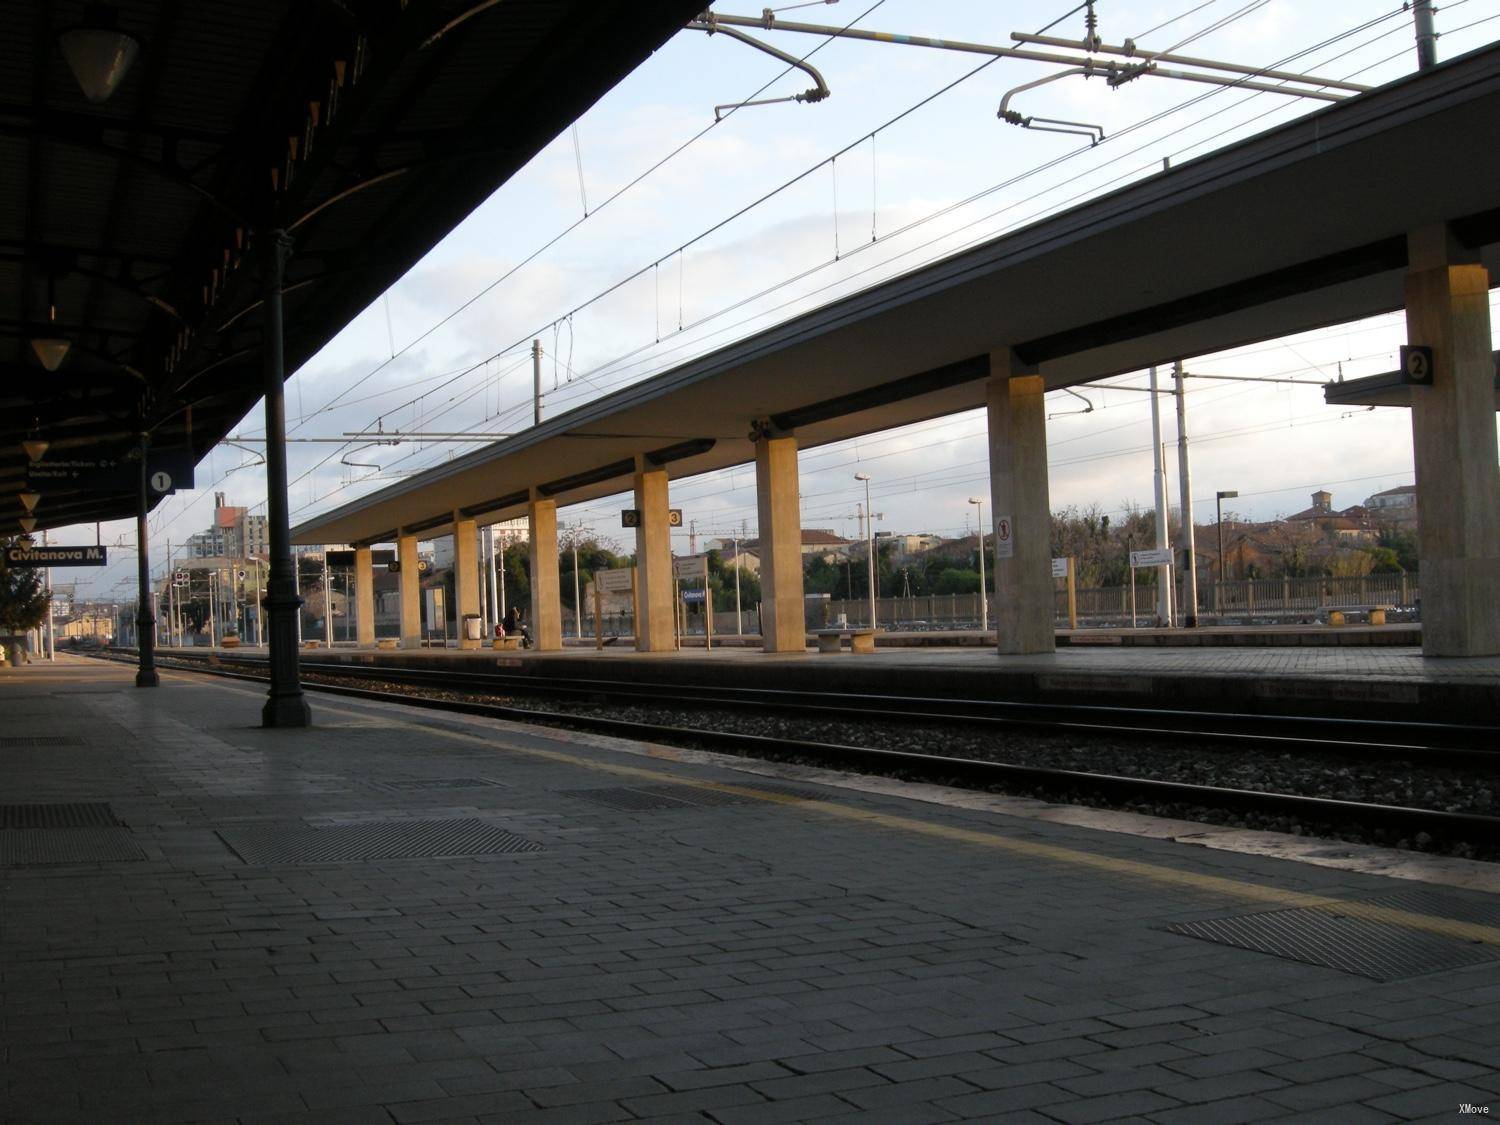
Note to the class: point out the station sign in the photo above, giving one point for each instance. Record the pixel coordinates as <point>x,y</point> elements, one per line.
<point>56,556</point>
<point>1159,556</point>
<point>614,581</point>
<point>693,597</point>
<point>690,567</point>
<point>631,517</point>
<point>167,470</point>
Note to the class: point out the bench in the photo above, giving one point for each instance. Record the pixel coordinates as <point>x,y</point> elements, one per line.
<point>1338,614</point>
<point>386,642</point>
<point>860,640</point>
<point>505,644</point>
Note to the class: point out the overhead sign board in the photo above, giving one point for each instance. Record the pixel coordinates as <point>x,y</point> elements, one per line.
<point>167,470</point>
<point>1156,557</point>
<point>613,581</point>
<point>56,556</point>
<point>631,517</point>
<point>691,566</point>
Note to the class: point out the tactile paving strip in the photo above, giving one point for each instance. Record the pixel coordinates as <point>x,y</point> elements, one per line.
<point>424,784</point>
<point>648,798</point>
<point>1322,936</point>
<point>627,800</point>
<point>25,847</point>
<point>386,839</point>
<point>58,816</point>
<point>35,741</point>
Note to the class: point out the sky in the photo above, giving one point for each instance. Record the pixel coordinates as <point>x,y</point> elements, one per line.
<point>647,235</point>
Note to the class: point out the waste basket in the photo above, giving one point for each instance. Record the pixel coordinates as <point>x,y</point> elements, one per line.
<point>472,626</point>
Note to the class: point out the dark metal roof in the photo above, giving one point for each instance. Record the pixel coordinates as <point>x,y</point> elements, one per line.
<point>369,128</point>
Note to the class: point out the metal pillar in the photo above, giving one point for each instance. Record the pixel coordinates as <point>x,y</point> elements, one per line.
<point>1163,573</point>
<point>145,620</point>
<point>1185,483</point>
<point>1421,12</point>
<point>285,704</point>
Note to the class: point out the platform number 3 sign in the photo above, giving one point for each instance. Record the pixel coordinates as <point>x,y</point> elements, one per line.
<point>1005,538</point>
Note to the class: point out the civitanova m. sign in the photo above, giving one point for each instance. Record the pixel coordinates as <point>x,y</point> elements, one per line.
<point>55,556</point>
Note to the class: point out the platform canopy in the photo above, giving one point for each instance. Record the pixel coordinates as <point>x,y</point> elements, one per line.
<point>367,128</point>
<point>1297,228</point>
<point>1388,388</point>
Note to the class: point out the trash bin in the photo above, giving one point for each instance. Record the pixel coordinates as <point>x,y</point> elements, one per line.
<point>472,626</point>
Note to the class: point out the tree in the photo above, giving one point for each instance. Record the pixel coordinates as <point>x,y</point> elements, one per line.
<point>23,600</point>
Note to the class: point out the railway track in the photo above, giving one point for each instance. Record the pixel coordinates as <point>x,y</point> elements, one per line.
<point>1466,746</point>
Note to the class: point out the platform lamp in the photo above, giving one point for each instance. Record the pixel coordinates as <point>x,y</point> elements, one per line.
<point>1219,498</point>
<point>99,54</point>
<point>870,527</point>
<point>984,600</point>
<point>29,500</point>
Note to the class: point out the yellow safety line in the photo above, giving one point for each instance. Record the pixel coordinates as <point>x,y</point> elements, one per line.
<point>1208,884</point>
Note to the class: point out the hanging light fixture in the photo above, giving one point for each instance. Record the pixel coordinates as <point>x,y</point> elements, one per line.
<point>51,350</point>
<point>28,524</point>
<point>26,542</point>
<point>36,448</point>
<point>29,500</point>
<point>99,54</point>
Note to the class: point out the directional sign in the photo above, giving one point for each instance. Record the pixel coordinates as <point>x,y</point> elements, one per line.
<point>55,556</point>
<point>692,566</point>
<point>613,581</point>
<point>1416,364</point>
<point>692,597</point>
<point>1155,557</point>
<point>167,471</point>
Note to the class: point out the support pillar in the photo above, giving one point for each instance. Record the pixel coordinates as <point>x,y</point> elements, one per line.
<point>465,575</point>
<point>783,622</point>
<point>1454,447</point>
<point>1022,522</point>
<point>546,601</point>
<point>655,588</point>
<point>411,591</point>
<point>364,598</point>
<point>145,618</point>
<point>285,705</point>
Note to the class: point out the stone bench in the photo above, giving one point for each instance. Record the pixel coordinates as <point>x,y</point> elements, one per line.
<point>505,644</point>
<point>1338,614</point>
<point>831,640</point>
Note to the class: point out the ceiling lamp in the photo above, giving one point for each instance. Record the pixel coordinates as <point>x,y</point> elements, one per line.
<point>28,524</point>
<point>36,448</point>
<point>29,500</point>
<point>51,350</point>
<point>99,54</point>
<point>26,542</point>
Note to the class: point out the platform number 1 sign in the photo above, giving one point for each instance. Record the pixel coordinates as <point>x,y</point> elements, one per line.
<point>1005,538</point>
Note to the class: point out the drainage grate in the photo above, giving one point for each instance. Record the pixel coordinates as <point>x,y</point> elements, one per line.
<point>423,784</point>
<point>58,816</point>
<point>23,847</point>
<point>1321,936</point>
<point>387,839</point>
<point>35,741</point>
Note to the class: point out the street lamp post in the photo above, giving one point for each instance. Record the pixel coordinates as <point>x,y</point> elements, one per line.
<point>984,600</point>
<point>1219,498</point>
<point>870,531</point>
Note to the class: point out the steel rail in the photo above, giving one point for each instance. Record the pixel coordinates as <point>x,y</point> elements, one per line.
<point>1467,827</point>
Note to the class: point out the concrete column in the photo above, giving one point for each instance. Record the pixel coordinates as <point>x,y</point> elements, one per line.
<point>411,592</point>
<point>1454,447</point>
<point>1020,520</point>
<point>465,575</point>
<point>546,603</point>
<point>783,621</point>
<point>655,588</point>
<point>364,598</point>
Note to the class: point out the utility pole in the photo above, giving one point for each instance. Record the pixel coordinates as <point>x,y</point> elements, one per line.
<point>577,598</point>
<point>328,601</point>
<point>1421,12</point>
<point>297,589</point>
<point>536,382</point>
<point>504,542</point>
<point>495,608</point>
<point>51,636</point>
<point>1185,485</point>
<point>692,537</point>
<point>1163,573</point>
<point>739,621</point>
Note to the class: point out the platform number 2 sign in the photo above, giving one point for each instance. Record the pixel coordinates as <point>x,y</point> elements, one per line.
<point>1005,538</point>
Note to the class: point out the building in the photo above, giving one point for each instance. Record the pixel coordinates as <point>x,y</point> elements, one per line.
<point>235,534</point>
<point>817,542</point>
<point>1394,505</point>
<point>1352,524</point>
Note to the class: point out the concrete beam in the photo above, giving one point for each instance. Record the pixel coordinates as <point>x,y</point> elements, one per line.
<point>546,603</point>
<point>411,591</point>
<point>1021,519</point>
<point>655,589</point>
<point>364,598</point>
<point>783,622</point>
<point>1454,447</point>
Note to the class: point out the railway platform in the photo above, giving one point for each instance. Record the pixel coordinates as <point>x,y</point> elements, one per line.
<point>1393,682</point>
<point>402,916</point>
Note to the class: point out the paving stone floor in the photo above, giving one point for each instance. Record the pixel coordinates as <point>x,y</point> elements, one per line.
<point>248,943</point>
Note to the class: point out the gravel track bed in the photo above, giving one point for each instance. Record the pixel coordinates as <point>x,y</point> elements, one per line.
<point>1329,775</point>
